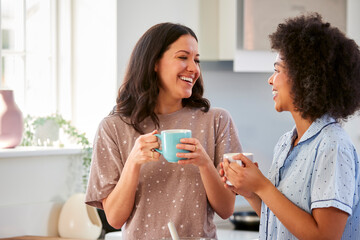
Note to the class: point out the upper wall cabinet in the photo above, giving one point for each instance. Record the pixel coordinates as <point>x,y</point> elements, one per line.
<point>257,19</point>
<point>213,21</point>
<point>227,29</point>
<point>217,29</point>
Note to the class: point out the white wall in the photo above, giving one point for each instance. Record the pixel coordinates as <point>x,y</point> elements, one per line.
<point>353,30</point>
<point>136,17</point>
<point>94,58</point>
<point>34,185</point>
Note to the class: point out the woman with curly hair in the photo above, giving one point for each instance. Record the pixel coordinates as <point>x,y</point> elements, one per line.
<point>162,89</point>
<point>313,186</point>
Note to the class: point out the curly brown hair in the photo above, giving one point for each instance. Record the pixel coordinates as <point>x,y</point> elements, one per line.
<point>323,66</point>
<point>138,94</point>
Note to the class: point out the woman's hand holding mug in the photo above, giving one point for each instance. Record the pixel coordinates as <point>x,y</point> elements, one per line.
<point>143,150</point>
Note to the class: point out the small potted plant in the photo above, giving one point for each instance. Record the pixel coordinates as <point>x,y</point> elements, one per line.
<point>45,131</point>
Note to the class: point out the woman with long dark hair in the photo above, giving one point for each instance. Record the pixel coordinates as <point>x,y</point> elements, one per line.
<point>136,186</point>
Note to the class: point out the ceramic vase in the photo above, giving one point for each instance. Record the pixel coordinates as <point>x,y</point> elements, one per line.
<point>11,121</point>
<point>78,220</point>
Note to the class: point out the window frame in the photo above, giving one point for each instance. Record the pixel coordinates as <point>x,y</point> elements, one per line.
<point>59,57</point>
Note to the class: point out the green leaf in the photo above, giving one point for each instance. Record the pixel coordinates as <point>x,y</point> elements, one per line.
<point>32,123</point>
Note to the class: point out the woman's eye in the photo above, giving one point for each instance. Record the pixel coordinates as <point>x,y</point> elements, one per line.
<point>185,58</point>
<point>275,70</point>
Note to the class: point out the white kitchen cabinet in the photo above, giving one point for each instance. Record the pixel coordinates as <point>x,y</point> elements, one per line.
<point>257,19</point>
<point>217,29</point>
<point>34,183</point>
<point>353,19</point>
<point>213,21</point>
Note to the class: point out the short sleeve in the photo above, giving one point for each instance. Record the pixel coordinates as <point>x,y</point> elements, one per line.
<point>227,139</point>
<point>333,180</point>
<point>106,165</point>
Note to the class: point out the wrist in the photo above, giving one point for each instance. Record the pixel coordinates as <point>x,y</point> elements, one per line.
<point>264,188</point>
<point>206,166</point>
<point>132,166</point>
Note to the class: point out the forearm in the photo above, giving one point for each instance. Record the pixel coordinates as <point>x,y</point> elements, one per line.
<point>222,200</point>
<point>255,203</point>
<point>120,202</point>
<point>300,223</point>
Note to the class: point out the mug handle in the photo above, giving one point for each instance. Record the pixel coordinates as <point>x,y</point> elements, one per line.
<point>156,149</point>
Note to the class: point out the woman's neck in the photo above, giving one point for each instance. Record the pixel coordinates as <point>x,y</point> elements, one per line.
<point>302,125</point>
<point>164,108</point>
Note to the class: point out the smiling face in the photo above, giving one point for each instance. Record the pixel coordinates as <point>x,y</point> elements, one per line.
<point>281,86</point>
<point>178,69</point>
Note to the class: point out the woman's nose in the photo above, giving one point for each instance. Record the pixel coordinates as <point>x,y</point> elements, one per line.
<point>270,79</point>
<point>193,66</point>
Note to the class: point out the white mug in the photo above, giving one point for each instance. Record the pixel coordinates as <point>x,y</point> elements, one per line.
<point>230,156</point>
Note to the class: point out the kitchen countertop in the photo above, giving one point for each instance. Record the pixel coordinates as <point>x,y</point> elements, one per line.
<point>223,234</point>
<point>225,229</point>
<point>226,234</point>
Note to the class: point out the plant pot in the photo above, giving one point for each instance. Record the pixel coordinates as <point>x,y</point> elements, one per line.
<point>11,121</point>
<point>47,133</point>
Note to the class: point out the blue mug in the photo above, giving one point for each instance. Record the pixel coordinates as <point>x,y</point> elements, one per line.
<point>169,139</point>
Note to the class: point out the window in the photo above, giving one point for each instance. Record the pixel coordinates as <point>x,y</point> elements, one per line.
<point>29,54</point>
<point>59,56</point>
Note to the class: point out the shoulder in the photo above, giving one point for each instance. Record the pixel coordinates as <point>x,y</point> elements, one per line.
<point>334,147</point>
<point>334,135</point>
<point>219,111</point>
<point>112,122</point>
<point>116,119</point>
<point>108,121</point>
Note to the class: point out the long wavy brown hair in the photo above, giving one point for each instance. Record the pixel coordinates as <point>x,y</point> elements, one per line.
<point>138,94</point>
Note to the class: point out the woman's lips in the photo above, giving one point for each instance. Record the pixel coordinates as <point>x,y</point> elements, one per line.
<point>187,79</point>
<point>274,93</point>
